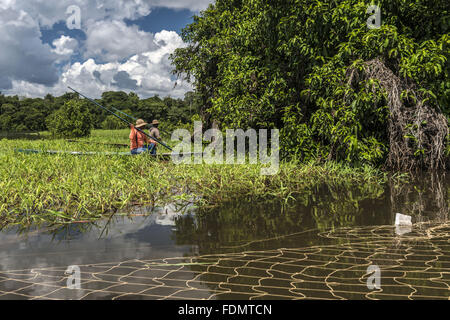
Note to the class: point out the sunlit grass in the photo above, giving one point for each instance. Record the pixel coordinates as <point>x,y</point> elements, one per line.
<point>37,188</point>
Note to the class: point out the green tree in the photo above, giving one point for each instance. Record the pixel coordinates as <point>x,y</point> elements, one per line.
<point>113,123</point>
<point>8,117</point>
<point>315,70</point>
<point>72,120</point>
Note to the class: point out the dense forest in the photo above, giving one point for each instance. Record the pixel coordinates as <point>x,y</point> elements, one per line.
<point>337,88</point>
<point>35,114</point>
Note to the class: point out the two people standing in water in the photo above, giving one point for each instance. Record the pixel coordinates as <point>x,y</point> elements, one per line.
<point>139,142</point>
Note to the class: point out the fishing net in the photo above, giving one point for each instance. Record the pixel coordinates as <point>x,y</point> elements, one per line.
<point>414,264</point>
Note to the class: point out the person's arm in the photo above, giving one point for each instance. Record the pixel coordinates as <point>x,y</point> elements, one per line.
<point>132,133</point>
<point>154,132</point>
<point>157,135</point>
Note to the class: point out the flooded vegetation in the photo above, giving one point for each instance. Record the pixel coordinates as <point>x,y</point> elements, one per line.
<point>319,246</point>
<point>63,188</point>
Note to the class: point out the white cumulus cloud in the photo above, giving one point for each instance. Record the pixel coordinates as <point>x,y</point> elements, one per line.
<point>23,56</point>
<point>65,46</point>
<point>147,74</point>
<point>49,12</point>
<point>114,40</point>
<point>115,55</point>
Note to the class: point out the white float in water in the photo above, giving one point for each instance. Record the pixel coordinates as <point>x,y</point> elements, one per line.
<point>402,220</point>
<point>403,224</point>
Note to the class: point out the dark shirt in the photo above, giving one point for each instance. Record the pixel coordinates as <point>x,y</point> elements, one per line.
<point>154,132</point>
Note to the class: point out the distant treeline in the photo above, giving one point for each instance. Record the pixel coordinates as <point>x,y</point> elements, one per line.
<point>30,114</point>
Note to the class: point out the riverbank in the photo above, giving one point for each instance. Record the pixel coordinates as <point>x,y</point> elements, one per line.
<point>41,188</point>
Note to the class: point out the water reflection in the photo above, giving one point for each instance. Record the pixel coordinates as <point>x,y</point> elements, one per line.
<point>318,248</point>
<point>120,238</point>
<point>425,198</point>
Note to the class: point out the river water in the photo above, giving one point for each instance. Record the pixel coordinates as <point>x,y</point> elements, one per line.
<point>325,246</point>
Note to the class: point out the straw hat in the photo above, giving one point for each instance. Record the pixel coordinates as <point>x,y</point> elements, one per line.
<point>154,122</point>
<point>140,123</point>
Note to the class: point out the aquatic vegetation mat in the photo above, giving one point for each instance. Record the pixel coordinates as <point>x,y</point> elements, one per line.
<point>62,188</point>
<point>414,264</point>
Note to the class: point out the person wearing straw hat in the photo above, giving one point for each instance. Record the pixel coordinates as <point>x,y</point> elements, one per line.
<point>138,140</point>
<point>154,132</point>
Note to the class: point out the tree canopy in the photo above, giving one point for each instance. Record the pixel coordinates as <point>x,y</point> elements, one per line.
<point>72,120</point>
<point>336,88</point>
<point>30,114</point>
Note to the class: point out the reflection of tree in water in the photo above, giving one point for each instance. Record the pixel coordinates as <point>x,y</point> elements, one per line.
<point>328,209</point>
<point>333,236</point>
<point>213,229</point>
<point>238,223</point>
<point>425,198</point>
<point>344,207</point>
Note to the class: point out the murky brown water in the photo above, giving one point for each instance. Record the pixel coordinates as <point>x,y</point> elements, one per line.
<point>321,249</point>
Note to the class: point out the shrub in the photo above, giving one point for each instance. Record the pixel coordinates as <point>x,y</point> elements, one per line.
<point>72,120</point>
<point>113,123</point>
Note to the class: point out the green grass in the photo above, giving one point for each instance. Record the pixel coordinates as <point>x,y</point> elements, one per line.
<point>42,188</point>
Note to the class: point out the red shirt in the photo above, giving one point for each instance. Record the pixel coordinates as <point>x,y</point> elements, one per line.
<point>137,139</point>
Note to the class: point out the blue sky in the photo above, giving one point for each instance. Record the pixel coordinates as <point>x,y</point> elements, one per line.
<point>120,45</point>
<point>158,19</point>
<point>164,19</point>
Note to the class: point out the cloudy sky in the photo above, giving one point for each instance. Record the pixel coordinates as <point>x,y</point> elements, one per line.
<point>118,45</point>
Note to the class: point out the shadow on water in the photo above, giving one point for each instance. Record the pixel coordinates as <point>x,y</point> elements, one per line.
<point>320,247</point>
